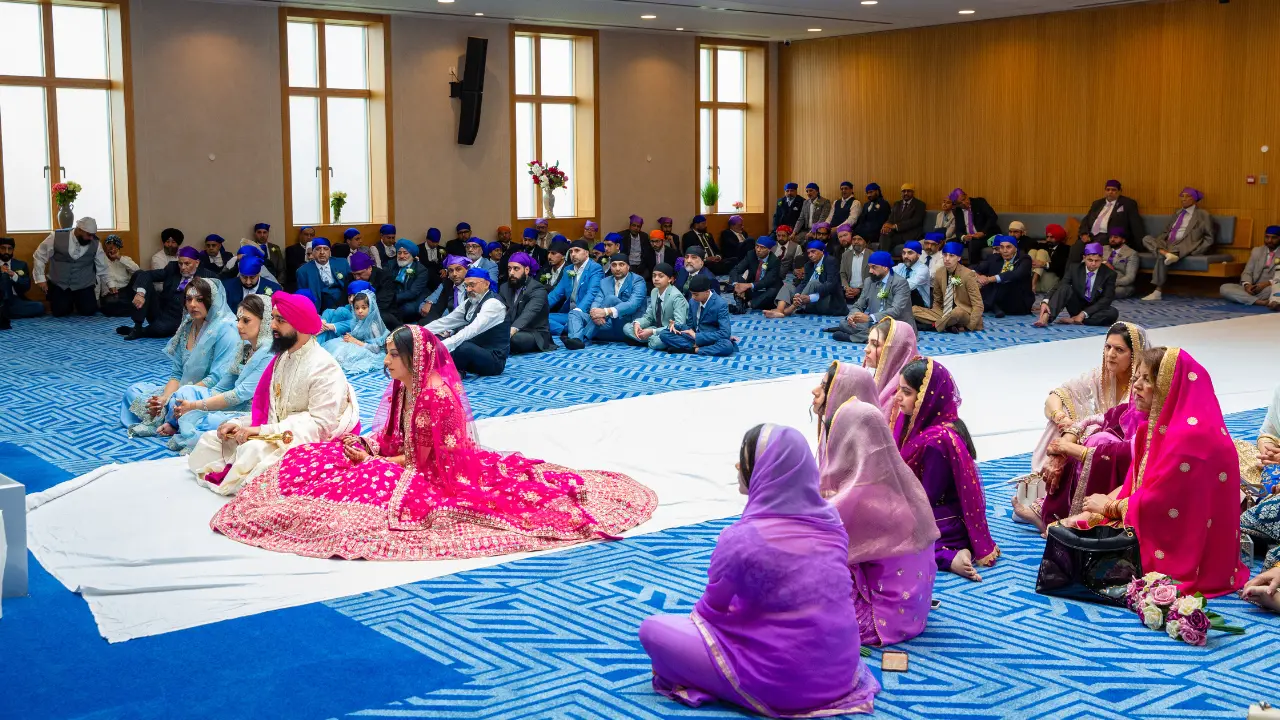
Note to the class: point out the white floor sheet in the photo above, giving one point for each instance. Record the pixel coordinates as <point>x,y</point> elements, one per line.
<point>134,539</point>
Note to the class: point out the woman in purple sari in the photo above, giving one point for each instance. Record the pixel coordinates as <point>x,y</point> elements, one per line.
<point>775,631</point>
<point>936,446</point>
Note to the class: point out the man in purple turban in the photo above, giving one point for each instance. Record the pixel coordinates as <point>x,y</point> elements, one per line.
<point>1189,232</point>
<point>976,223</point>
<point>527,308</point>
<point>157,313</point>
<point>633,241</point>
<point>1086,293</point>
<point>1112,210</point>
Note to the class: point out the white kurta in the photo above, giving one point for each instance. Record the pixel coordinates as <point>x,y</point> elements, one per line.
<point>310,397</point>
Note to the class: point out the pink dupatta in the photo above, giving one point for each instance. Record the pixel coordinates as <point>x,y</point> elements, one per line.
<point>896,352</point>
<point>850,381</point>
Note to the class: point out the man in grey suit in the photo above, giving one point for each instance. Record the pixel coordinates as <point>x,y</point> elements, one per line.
<point>1190,232</point>
<point>854,262</point>
<point>1121,258</point>
<point>816,209</point>
<point>1257,282</point>
<point>883,293</point>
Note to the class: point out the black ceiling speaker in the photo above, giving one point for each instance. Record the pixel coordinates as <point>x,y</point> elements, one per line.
<point>470,90</point>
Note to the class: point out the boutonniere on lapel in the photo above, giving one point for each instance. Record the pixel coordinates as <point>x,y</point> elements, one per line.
<point>1120,209</point>
<point>573,273</point>
<point>817,269</point>
<point>544,278</point>
<point>339,276</point>
<point>956,280</point>
<point>884,292</point>
<point>267,291</point>
<point>21,273</point>
<point>407,271</point>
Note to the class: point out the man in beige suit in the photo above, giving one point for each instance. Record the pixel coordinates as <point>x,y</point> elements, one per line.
<point>1190,232</point>
<point>957,297</point>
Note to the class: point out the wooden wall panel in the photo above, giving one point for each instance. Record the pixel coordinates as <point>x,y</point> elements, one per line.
<point>1036,113</point>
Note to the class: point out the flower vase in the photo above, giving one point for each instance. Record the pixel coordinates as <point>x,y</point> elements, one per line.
<point>710,210</point>
<point>66,217</point>
<point>548,202</point>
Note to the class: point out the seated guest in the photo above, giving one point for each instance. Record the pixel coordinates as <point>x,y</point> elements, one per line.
<point>503,237</point>
<point>383,282</point>
<point>1049,257</point>
<point>553,272</point>
<point>545,236</point>
<point>790,251</point>
<point>905,221</point>
<point>215,257</point>
<point>114,299</point>
<point>362,344</point>
<point>884,509</point>
<point>529,245</point>
<point>476,334</point>
<point>757,278</point>
<point>667,307</point>
<point>597,254</point>
<point>15,281</point>
<point>883,295</point>
<point>957,297</point>
<point>1086,293</point>
<point>386,245</point>
<point>875,213</point>
<point>201,350</point>
<point>251,280</point>
<point>161,311</point>
<point>1112,211</point>
<point>656,253</point>
<point>734,240</point>
<point>76,265</point>
<point>1262,521</point>
<point>931,254</point>
<point>591,232</point>
<point>707,329</point>
<point>353,242</point>
<point>325,276</point>
<point>787,211</point>
<point>918,277</point>
<point>272,255</point>
<point>846,208</point>
<point>945,221</point>
<point>1123,259</point>
<point>449,295</point>
<point>780,596</point>
<point>1190,232</point>
<point>1006,279</point>
<point>819,295</point>
<point>1257,280</point>
<point>411,282</point>
<point>853,262</point>
<point>297,255</point>
<point>937,447</point>
<point>612,246</point>
<point>618,300</point>
<point>822,233</point>
<point>578,285</point>
<point>526,302</point>
<point>699,237</point>
<point>495,252</point>
<point>814,210</point>
<point>199,409</point>
<point>667,225</point>
<point>633,242</point>
<point>693,267</point>
<point>170,240</point>
<point>458,245</point>
<point>476,254</point>
<point>431,255</point>
<point>975,221</point>
<point>891,346</point>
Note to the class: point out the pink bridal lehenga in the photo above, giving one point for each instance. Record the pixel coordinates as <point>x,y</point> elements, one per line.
<point>427,489</point>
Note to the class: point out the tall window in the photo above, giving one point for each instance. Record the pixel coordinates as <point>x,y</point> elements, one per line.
<point>62,113</point>
<point>554,116</point>
<point>336,118</point>
<point>730,124</point>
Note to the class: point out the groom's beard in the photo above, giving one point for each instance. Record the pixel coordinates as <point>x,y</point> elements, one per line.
<point>281,343</point>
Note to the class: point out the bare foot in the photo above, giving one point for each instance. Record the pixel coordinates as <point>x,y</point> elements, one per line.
<point>1043,320</point>
<point>773,314</point>
<point>962,565</point>
<point>1261,596</point>
<point>1026,513</point>
<point>166,430</point>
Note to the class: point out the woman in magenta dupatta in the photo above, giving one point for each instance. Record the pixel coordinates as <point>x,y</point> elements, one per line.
<point>889,522</point>
<point>420,487</point>
<point>1182,493</point>
<point>936,446</point>
<point>775,631</point>
<point>890,347</point>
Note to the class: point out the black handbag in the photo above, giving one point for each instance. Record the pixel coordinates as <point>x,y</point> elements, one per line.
<point>1092,565</point>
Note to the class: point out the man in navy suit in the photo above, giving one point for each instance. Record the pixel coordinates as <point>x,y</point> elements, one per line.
<point>619,299</point>
<point>15,281</point>
<point>214,258</point>
<point>325,276</point>
<point>708,330</point>
<point>757,278</point>
<point>695,259</point>
<point>249,281</point>
<point>1006,279</point>
<point>819,293</point>
<point>412,279</point>
<point>578,283</point>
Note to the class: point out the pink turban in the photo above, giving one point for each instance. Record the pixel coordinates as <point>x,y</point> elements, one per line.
<point>298,312</point>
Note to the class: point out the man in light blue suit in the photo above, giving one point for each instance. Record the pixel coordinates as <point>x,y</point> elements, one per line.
<point>578,282</point>
<point>618,300</point>
<point>325,276</point>
<point>708,329</point>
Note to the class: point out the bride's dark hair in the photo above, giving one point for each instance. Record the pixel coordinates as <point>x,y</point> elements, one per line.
<point>402,337</point>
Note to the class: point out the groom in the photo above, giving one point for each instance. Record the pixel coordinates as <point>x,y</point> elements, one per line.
<point>303,392</point>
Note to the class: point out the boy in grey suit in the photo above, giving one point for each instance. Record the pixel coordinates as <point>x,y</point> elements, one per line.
<point>1257,282</point>
<point>667,305</point>
<point>883,293</point>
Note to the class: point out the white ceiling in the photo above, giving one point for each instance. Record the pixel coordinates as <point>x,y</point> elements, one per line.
<point>748,19</point>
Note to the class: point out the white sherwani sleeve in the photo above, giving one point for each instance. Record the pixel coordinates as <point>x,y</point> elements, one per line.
<point>331,406</point>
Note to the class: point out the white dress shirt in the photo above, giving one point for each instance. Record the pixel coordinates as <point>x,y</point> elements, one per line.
<point>1100,225</point>
<point>162,259</point>
<point>75,250</point>
<point>491,312</point>
<point>1182,229</point>
<point>119,274</point>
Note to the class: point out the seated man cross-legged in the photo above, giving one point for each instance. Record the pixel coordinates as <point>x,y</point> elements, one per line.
<point>957,297</point>
<point>757,278</point>
<point>1005,278</point>
<point>1257,282</point>
<point>477,334</point>
<point>577,283</point>
<point>667,306</point>
<point>618,300</point>
<point>526,301</point>
<point>819,293</point>
<point>1086,293</point>
<point>883,293</point>
<point>708,329</point>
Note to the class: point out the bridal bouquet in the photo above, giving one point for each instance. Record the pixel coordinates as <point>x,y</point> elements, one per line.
<point>65,193</point>
<point>548,178</point>
<point>1154,597</point>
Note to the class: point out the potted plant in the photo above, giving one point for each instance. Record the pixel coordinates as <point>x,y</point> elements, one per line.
<point>710,196</point>
<point>337,200</point>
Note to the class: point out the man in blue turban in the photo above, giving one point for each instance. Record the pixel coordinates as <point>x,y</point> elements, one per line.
<point>1005,278</point>
<point>875,213</point>
<point>757,278</point>
<point>815,209</point>
<point>1257,284</point>
<point>411,282</point>
<point>476,254</point>
<point>818,293</point>
<point>529,245</point>
<point>883,294</point>
<point>385,247</point>
<point>325,276</point>
<point>297,255</point>
<point>250,280</point>
<point>458,245</point>
<point>476,333</point>
<point>215,258</point>
<point>271,252</point>
<point>787,211</point>
<point>918,277</point>
<point>432,254</point>
<point>352,242</point>
<point>957,296</point>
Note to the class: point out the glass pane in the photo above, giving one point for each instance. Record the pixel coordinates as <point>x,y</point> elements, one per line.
<point>731,76</point>
<point>704,75</point>
<point>80,42</point>
<point>344,57</point>
<point>21,39</point>
<point>84,150</point>
<point>731,157</point>
<point>304,151</point>
<point>349,155</point>
<point>557,66</point>
<point>23,132</point>
<point>524,65</point>
<point>557,146</point>
<point>302,54</point>
<point>704,149</point>
<point>526,191</point>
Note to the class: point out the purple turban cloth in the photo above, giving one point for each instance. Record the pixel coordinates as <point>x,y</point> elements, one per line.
<point>636,220</point>
<point>297,310</point>
<point>956,194</point>
<point>360,261</point>
<point>525,260</point>
<point>1272,230</point>
<point>735,219</point>
<point>591,225</point>
<point>1118,232</point>
<point>188,252</point>
<point>350,233</point>
<point>664,220</point>
<point>1093,249</point>
<point>1113,184</point>
<point>816,245</point>
<point>250,265</point>
<point>540,221</point>
<point>822,226</point>
<point>1194,193</point>
<point>881,258</point>
<point>456,260</point>
<point>845,228</point>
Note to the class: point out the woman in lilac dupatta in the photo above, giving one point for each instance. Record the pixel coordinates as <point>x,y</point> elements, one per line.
<point>890,347</point>
<point>775,631</point>
<point>841,382</point>
<point>936,446</point>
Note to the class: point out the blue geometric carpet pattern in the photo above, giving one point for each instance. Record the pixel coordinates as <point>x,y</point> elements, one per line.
<point>555,636</point>
<point>61,380</point>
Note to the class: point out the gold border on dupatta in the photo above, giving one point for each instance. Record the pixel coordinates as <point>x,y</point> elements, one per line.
<point>884,347</point>
<point>924,390</point>
<point>1077,498</point>
<point>1164,381</point>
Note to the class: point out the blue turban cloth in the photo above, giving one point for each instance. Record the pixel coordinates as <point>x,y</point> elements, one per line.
<point>359,286</point>
<point>935,236</point>
<point>524,259</point>
<point>407,245</point>
<point>490,247</point>
<point>387,230</point>
<point>360,261</point>
<point>462,226</point>
<point>791,186</point>
<point>250,265</point>
<point>913,245</point>
<point>599,247</point>
<point>881,258</point>
<point>1273,230</point>
<point>699,219</point>
<point>476,272</point>
<point>811,186</point>
<point>303,292</point>
<point>953,248</point>
<point>872,186</point>
<point>252,251</point>
<point>261,226</point>
<point>350,233</point>
<point>615,238</point>
<point>999,240</point>
<point>530,233</point>
<point>766,241</point>
<point>320,242</point>
<point>214,238</point>
<point>816,245</point>
<point>433,234</point>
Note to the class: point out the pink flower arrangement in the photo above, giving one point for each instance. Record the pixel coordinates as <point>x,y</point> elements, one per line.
<point>548,177</point>
<point>738,206</point>
<point>1155,599</point>
<point>65,193</point>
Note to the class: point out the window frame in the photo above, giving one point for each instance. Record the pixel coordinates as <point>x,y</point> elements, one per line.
<point>755,121</point>
<point>378,94</point>
<point>119,87</point>
<point>584,100</point>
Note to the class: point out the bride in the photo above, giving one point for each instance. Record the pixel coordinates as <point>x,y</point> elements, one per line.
<point>420,487</point>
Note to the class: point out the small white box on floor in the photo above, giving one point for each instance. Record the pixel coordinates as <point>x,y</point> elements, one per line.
<point>13,538</point>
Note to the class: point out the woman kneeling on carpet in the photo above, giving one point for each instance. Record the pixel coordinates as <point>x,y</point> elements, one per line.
<point>775,631</point>
<point>1182,493</point>
<point>936,446</point>
<point>890,346</point>
<point>420,487</point>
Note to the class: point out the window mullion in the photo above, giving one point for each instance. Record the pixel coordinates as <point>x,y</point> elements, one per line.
<point>536,107</point>
<point>322,85</point>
